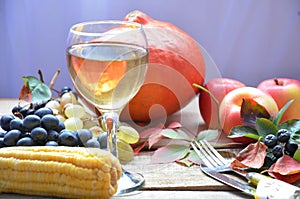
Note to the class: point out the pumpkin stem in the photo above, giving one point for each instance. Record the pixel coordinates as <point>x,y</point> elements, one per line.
<point>138,16</point>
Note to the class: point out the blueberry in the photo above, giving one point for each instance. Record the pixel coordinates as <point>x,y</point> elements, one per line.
<point>283,135</point>
<point>291,147</point>
<point>278,151</point>
<point>5,121</point>
<point>269,160</point>
<point>270,140</point>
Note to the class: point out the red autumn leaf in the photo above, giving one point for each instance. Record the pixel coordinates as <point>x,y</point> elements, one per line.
<point>253,156</point>
<point>281,171</point>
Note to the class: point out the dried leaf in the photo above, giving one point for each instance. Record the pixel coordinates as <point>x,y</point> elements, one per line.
<point>150,131</point>
<point>252,156</point>
<point>169,153</point>
<point>251,110</point>
<point>25,94</point>
<point>185,162</point>
<point>280,170</point>
<point>154,138</point>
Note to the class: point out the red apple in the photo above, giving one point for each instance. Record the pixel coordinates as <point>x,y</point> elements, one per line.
<point>219,87</point>
<point>283,90</point>
<point>230,106</point>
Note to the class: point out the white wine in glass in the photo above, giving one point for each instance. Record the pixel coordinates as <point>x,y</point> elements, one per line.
<point>107,62</point>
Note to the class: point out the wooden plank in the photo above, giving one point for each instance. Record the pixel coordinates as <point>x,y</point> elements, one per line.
<point>156,194</point>
<point>172,176</point>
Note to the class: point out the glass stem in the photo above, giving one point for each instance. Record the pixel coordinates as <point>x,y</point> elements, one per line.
<point>111,122</point>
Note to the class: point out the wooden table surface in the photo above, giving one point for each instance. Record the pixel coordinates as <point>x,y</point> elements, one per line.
<point>162,180</point>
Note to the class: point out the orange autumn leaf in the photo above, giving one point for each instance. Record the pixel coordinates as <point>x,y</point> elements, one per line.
<point>252,156</point>
<point>289,173</point>
<point>25,94</point>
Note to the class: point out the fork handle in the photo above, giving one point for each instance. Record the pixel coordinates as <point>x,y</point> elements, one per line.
<point>268,187</point>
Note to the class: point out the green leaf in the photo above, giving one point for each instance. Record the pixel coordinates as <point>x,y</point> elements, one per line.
<point>243,131</point>
<point>175,134</point>
<point>293,126</point>
<point>297,155</point>
<point>209,134</point>
<point>193,157</point>
<point>281,112</point>
<point>40,92</point>
<point>296,137</point>
<point>265,126</point>
<point>170,153</point>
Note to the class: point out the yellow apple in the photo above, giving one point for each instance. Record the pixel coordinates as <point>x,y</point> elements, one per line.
<point>283,90</point>
<point>230,106</point>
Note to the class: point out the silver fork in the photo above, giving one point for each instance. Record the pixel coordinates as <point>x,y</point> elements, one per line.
<point>212,158</point>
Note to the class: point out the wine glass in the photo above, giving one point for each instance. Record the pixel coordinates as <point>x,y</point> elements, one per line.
<point>107,62</point>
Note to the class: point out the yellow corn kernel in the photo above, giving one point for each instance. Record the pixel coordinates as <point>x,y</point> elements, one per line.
<point>69,172</point>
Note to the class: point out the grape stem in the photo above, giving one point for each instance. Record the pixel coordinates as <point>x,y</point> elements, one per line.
<point>41,75</point>
<point>54,79</point>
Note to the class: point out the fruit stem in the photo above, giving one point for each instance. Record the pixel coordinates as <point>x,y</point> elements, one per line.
<point>41,75</point>
<point>214,99</point>
<point>54,79</point>
<point>277,82</point>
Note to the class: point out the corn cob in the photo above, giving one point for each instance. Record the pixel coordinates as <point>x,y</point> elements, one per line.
<point>67,172</point>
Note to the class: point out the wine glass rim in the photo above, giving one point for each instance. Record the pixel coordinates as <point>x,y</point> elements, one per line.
<point>81,32</point>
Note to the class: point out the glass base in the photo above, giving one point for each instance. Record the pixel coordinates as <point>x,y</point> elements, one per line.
<point>129,182</point>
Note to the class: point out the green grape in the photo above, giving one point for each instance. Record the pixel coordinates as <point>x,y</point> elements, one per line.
<point>61,117</point>
<point>54,105</point>
<point>68,98</point>
<point>74,110</point>
<point>128,134</point>
<point>73,123</point>
<point>125,151</point>
<point>96,131</point>
<point>89,123</point>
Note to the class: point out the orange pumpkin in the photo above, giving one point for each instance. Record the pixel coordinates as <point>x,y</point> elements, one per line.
<point>175,63</point>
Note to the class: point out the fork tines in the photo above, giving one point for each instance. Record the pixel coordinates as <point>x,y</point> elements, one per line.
<point>207,154</point>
